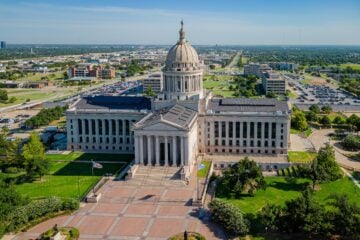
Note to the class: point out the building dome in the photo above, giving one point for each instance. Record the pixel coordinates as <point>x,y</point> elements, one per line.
<point>182,54</point>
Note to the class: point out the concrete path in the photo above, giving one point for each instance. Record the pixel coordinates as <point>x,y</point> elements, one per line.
<point>320,137</point>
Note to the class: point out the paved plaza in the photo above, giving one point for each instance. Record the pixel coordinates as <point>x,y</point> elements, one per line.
<point>154,205</point>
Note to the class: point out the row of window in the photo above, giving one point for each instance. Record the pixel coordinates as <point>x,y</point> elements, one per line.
<point>87,147</point>
<point>90,124</point>
<point>244,131</point>
<point>127,140</point>
<point>259,151</point>
<point>245,143</point>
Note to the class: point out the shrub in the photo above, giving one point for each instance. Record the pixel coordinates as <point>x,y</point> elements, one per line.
<point>229,216</point>
<point>37,209</point>
<point>351,142</point>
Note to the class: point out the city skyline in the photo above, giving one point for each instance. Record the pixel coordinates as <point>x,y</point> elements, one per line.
<point>144,22</point>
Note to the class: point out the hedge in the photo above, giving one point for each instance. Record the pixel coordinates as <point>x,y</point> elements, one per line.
<point>37,209</point>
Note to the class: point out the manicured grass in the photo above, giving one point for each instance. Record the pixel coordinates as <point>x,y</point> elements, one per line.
<point>301,157</point>
<point>66,179</point>
<point>73,156</point>
<point>69,178</point>
<point>204,171</point>
<point>281,189</point>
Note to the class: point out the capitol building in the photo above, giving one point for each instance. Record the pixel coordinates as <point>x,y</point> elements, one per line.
<point>182,123</point>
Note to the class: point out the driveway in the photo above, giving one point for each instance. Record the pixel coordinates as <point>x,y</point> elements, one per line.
<point>154,205</point>
<point>320,137</point>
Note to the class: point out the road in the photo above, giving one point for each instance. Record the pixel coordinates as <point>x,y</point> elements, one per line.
<point>37,102</point>
<point>233,62</point>
<point>320,137</point>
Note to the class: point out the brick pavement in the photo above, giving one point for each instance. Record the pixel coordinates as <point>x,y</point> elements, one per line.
<point>142,208</point>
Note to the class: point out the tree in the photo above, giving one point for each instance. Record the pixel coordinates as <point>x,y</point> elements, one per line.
<point>311,116</point>
<point>326,121</point>
<point>324,168</point>
<point>298,120</point>
<point>354,121</point>
<point>271,95</point>
<point>315,108</point>
<point>149,92</point>
<point>270,217</point>
<point>34,154</point>
<point>3,95</point>
<point>12,99</point>
<point>244,176</point>
<point>229,216</point>
<point>339,120</point>
<point>304,214</point>
<point>346,216</point>
<point>326,109</point>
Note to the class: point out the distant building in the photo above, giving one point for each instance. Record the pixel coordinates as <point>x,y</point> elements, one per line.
<point>256,69</point>
<point>39,84</point>
<point>273,82</point>
<point>89,71</point>
<point>283,66</point>
<point>155,81</point>
<point>106,73</point>
<point>3,44</point>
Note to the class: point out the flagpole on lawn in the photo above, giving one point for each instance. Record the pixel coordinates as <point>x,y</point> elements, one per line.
<point>92,173</point>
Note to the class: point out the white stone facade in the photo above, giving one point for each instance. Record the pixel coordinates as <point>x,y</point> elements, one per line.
<point>188,122</point>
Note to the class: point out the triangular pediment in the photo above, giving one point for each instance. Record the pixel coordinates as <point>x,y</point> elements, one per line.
<point>162,126</point>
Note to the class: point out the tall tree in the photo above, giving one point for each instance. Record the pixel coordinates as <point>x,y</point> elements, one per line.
<point>242,177</point>
<point>34,154</point>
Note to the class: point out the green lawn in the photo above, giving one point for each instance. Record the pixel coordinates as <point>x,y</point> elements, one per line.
<point>69,178</point>
<point>352,65</point>
<point>281,189</point>
<point>204,171</point>
<point>301,157</point>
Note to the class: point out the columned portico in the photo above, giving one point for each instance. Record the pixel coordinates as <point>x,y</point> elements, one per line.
<point>159,156</point>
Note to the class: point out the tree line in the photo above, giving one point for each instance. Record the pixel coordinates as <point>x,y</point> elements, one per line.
<point>45,116</point>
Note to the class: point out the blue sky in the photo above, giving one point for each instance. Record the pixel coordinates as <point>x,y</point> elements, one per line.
<point>222,22</point>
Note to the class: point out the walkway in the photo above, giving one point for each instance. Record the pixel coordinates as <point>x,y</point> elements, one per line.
<point>320,137</point>
<point>153,205</point>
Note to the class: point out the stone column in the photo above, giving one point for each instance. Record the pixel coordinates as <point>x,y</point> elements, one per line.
<point>220,133</point>
<point>157,148</point>
<point>136,146</point>
<point>255,133</point>
<point>124,131</point>
<point>212,134</point>
<point>182,150</point>
<point>270,130</point>
<point>149,150</point>
<point>248,125</point>
<point>174,150</point>
<point>277,136</point>
<point>103,131</point>
<point>97,131</point>
<point>110,131</point>
<point>75,131</point>
<point>166,151</point>
<point>227,133</point>
<point>117,131</point>
<point>262,134</point>
<point>83,130</point>
<point>241,134</point>
<point>141,149</point>
<point>234,134</point>
<point>186,151</point>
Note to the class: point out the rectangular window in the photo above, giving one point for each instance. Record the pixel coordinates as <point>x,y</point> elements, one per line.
<point>245,130</point>
<point>237,130</point>
<point>230,129</point>
<point>223,129</point>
